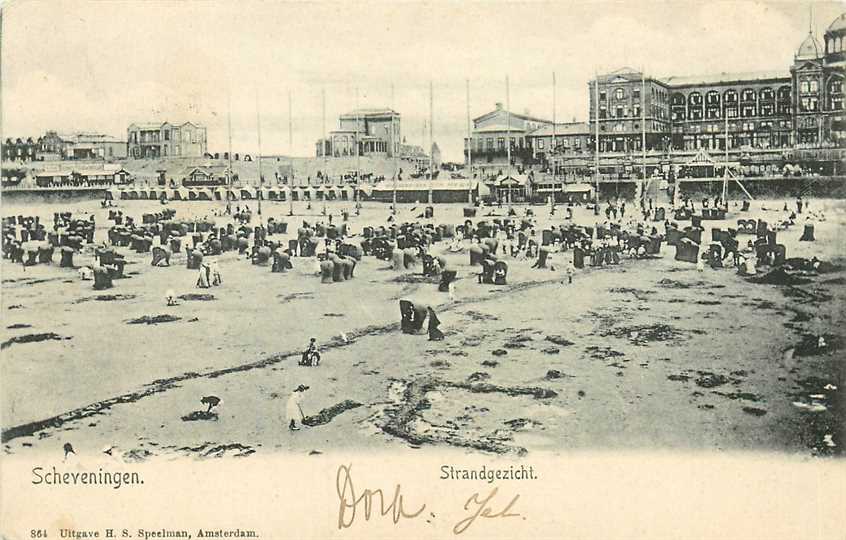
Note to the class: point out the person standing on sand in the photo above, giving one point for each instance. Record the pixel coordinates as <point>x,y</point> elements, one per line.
<point>571,271</point>
<point>294,409</point>
<point>217,279</point>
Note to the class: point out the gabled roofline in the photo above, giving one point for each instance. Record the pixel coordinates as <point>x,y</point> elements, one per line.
<point>521,116</point>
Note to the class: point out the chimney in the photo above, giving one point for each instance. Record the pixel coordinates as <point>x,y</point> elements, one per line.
<point>499,106</point>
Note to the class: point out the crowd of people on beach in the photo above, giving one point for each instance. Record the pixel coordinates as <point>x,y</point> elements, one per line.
<point>627,231</point>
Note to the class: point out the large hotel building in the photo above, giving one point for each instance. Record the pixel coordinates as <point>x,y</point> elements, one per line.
<point>756,114</point>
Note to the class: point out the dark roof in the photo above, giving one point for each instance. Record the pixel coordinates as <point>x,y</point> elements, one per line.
<point>382,111</point>
<point>837,24</point>
<point>626,73</point>
<point>568,128</point>
<point>726,78</point>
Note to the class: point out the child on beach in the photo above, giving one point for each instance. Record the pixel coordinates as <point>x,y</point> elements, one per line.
<point>571,271</point>
<point>215,273</point>
<point>311,356</point>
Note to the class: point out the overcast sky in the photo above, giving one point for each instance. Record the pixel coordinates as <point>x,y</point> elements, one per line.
<point>99,66</point>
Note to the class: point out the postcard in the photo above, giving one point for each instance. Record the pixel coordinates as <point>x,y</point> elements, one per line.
<point>382,270</point>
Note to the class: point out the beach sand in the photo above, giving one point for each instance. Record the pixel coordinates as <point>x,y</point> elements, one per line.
<point>650,354</point>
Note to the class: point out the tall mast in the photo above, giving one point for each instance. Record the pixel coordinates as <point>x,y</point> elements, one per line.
<point>508,138</point>
<point>643,134</point>
<point>291,155</point>
<point>229,154</point>
<point>325,157</point>
<point>393,140</point>
<point>554,146</point>
<point>431,156</point>
<point>358,149</point>
<point>726,159</point>
<point>258,128</point>
<point>596,148</point>
<point>469,149</point>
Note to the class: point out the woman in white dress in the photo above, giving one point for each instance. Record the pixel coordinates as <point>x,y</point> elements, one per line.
<point>294,409</point>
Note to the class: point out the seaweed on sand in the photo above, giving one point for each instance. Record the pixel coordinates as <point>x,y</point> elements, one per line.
<point>197,296</point>
<point>32,338</point>
<point>326,415</point>
<point>642,334</point>
<point>106,298</point>
<point>200,415</point>
<point>155,319</point>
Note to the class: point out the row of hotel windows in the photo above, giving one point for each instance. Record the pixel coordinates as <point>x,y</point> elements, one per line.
<point>620,126</point>
<point>576,142</point>
<point>766,109</point>
<point>744,126</point>
<point>565,142</point>
<point>834,45</point>
<point>620,93</point>
<point>177,151</point>
<point>730,96</point>
<point>623,112</point>
<point>488,143</point>
<point>806,104</point>
<point>806,86</point>
<point>153,136</point>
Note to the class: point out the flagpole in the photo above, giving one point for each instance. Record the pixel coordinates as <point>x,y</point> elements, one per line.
<point>394,150</point>
<point>469,149</point>
<point>325,157</point>
<point>508,139</point>
<point>229,154</point>
<point>725,165</point>
<point>554,146</point>
<point>258,127</point>
<point>431,139</point>
<point>291,155</point>
<point>643,135</point>
<point>358,149</point>
<point>596,147</point>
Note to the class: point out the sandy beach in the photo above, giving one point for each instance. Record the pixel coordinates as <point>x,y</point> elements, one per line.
<point>649,354</point>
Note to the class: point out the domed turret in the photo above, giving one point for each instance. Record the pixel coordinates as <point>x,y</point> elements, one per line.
<point>810,49</point>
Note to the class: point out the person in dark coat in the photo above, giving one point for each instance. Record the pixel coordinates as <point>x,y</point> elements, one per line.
<point>434,322</point>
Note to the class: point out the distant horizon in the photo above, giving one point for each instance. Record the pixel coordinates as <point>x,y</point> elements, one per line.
<point>109,65</point>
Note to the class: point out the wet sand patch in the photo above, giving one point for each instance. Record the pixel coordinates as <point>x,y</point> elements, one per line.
<point>559,340</point>
<point>602,353</point>
<point>404,421</point>
<point>644,334</point>
<point>754,411</point>
<point>640,294</point>
<point>710,380</point>
<point>479,316</point>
